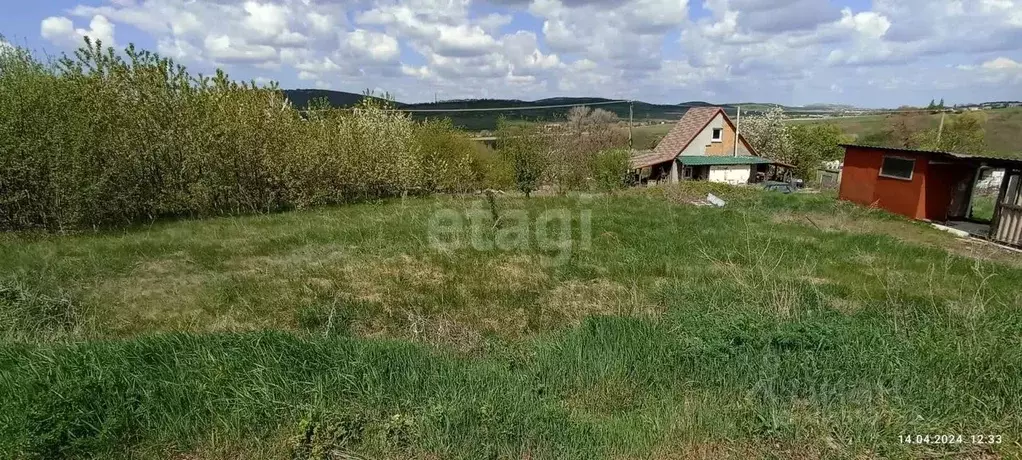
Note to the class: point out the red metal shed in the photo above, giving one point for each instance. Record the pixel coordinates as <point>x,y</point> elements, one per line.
<point>930,185</point>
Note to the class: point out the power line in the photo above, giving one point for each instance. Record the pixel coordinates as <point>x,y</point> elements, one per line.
<point>791,110</point>
<point>488,109</point>
<point>501,109</point>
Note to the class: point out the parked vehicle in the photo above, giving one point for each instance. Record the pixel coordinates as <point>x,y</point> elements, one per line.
<point>783,187</point>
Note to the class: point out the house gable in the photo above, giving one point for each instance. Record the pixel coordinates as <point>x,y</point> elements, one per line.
<point>704,144</point>
<point>698,122</point>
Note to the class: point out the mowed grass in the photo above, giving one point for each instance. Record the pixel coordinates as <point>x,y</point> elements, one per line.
<point>778,326</point>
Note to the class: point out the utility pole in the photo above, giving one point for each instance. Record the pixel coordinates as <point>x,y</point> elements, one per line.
<point>738,130</point>
<point>631,118</point>
<point>940,130</point>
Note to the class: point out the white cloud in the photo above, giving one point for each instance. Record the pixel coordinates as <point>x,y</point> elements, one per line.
<point>266,18</point>
<point>61,31</point>
<point>223,48</point>
<point>786,51</point>
<point>1002,63</point>
<point>372,45</point>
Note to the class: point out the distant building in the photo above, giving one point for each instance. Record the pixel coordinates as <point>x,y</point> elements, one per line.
<point>701,146</point>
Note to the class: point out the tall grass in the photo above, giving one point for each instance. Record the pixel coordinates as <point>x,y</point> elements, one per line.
<point>684,332</point>
<point>105,139</point>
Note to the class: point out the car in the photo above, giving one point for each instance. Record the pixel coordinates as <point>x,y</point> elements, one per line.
<point>783,187</point>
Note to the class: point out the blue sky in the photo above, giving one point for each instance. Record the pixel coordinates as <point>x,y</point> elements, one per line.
<point>875,53</point>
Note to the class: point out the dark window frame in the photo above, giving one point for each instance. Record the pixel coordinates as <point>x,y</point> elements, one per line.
<point>911,171</point>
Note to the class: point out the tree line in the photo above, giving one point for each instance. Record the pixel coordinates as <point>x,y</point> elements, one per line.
<point>104,139</point>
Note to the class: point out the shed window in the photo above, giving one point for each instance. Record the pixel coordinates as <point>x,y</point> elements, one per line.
<point>718,133</point>
<point>898,167</point>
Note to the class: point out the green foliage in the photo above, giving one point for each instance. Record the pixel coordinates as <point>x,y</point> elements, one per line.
<point>525,149</point>
<point>25,314</point>
<point>610,169</point>
<point>803,146</point>
<point>575,146</point>
<point>98,140</point>
<point>962,134</point>
<point>444,156</point>
<point>490,169</point>
<point>812,144</point>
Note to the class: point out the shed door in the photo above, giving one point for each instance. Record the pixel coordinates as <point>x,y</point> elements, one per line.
<point>961,197</point>
<point>1007,223</point>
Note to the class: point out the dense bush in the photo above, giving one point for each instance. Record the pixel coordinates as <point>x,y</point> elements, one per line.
<point>490,170</point>
<point>526,150</point>
<point>570,156</point>
<point>576,146</point>
<point>610,169</point>
<point>105,139</point>
<point>444,156</point>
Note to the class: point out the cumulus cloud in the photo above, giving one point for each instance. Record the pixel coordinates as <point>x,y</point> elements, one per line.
<point>372,45</point>
<point>786,51</point>
<point>61,31</point>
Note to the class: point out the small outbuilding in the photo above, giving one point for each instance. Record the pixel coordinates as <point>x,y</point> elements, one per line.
<point>934,186</point>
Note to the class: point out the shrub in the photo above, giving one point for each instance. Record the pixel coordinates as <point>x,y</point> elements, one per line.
<point>490,170</point>
<point>610,170</point>
<point>444,156</point>
<point>525,150</point>
<point>575,148</point>
<point>99,140</point>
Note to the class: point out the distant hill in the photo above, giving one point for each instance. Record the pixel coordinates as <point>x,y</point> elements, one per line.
<point>528,110</point>
<point>301,97</point>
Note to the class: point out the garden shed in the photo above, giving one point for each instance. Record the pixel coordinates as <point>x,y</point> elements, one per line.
<point>935,186</point>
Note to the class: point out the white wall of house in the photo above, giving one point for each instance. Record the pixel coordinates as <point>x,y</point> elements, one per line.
<point>731,174</point>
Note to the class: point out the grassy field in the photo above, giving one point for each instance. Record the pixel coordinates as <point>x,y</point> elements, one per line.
<point>779,327</point>
<point>646,137</point>
<point>1003,127</point>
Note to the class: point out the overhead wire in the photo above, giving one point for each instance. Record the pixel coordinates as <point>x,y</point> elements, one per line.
<point>487,109</point>
<point>864,112</point>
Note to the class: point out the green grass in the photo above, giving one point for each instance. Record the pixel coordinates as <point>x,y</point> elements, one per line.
<point>646,137</point>
<point>1002,127</point>
<point>778,326</point>
<point>983,207</point>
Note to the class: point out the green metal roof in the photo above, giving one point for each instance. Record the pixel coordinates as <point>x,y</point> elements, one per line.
<point>706,160</point>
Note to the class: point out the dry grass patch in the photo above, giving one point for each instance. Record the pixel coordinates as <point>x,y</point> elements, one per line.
<point>909,231</point>
<point>301,258</point>
<point>576,300</point>
<point>515,272</point>
<point>162,292</point>
<point>392,279</point>
<point>444,331</point>
<point>862,222</point>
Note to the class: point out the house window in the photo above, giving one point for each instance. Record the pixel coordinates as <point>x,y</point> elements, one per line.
<point>897,168</point>
<point>718,134</point>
